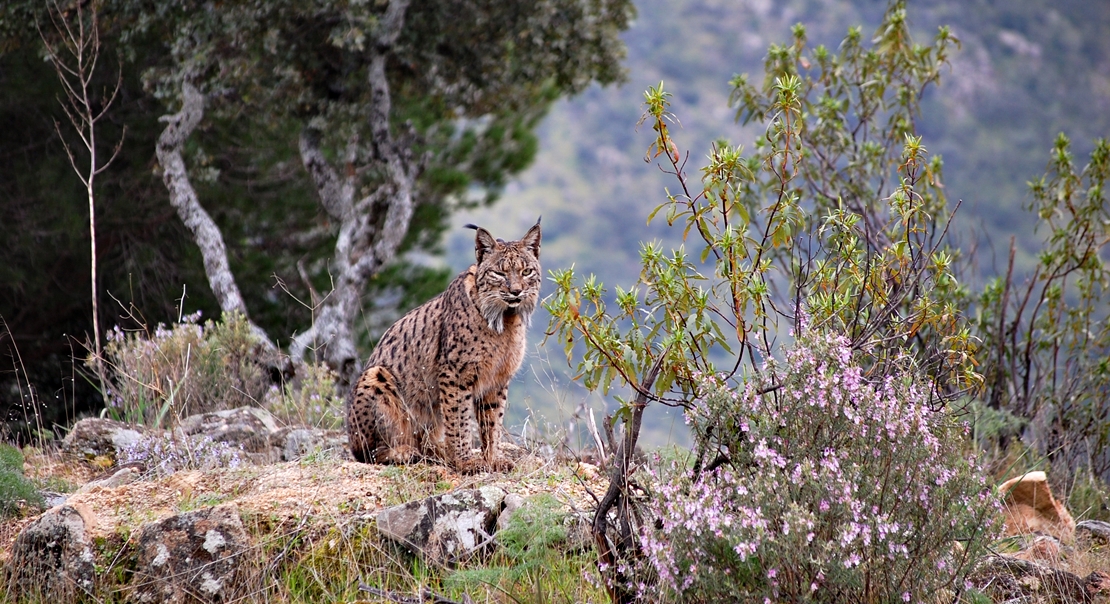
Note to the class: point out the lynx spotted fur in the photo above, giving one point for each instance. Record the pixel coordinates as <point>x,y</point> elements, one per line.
<point>448,363</point>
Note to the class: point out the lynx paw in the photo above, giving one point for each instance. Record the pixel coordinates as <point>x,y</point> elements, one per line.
<point>471,465</point>
<point>403,454</point>
<point>501,464</point>
<point>476,465</point>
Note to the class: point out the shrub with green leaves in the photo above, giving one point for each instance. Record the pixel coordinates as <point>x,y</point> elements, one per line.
<point>833,226</point>
<point>182,370</point>
<point>1046,338</point>
<point>838,213</point>
<point>15,490</point>
<point>828,485</point>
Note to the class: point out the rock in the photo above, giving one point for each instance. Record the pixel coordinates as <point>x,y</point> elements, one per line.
<point>1042,548</point>
<point>94,437</point>
<point>580,537</point>
<point>512,503</point>
<point>1095,531</point>
<point>195,556</point>
<point>445,528</point>
<point>1029,507</point>
<point>122,477</point>
<point>296,443</point>
<point>52,558</point>
<point>53,498</point>
<point>249,428</point>
<point>1008,579</point>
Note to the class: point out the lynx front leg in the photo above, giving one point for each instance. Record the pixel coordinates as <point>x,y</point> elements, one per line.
<point>458,411</point>
<point>379,428</point>
<point>491,414</point>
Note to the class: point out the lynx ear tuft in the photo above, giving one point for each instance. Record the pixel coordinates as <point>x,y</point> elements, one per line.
<point>483,242</point>
<point>531,239</point>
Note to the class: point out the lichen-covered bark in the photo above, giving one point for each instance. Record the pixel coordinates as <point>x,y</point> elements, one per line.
<point>207,236</point>
<point>366,242</point>
<point>184,199</point>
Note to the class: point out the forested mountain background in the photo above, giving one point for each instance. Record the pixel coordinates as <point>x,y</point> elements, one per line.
<point>1027,70</point>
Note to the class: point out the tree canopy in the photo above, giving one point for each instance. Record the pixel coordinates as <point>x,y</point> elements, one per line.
<point>310,144</point>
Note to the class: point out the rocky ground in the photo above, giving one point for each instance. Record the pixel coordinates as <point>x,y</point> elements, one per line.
<point>292,503</point>
<point>137,533</point>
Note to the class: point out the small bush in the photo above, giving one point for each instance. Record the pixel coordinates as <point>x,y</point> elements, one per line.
<point>15,490</point>
<point>183,370</point>
<point>310,400</point>
<point>830,486</point>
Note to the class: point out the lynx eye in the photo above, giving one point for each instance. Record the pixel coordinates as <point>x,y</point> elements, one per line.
<point>527,272</point>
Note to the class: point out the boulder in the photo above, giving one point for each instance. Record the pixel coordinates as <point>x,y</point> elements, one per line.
<point>1093,531</point>
<point>1029,507</point>
<point>195,556</point>
<point>52,558</point>
<point>124,476</point>
<point>1009,579</point>
<point>94,437</point>
<point>1044,549</point>
<point>249,428</point>
<point>296,443</point>
<point>445,528</point>
<point>580,537</point>
<point>509,505</point>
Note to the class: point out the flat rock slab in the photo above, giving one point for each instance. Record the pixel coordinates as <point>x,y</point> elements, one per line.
<point>445,528</point>
<point>297,443</point>
<point>1008,579</point>
<point>248,428</point>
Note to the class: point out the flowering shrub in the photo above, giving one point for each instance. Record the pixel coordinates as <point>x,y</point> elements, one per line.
<point>167,453</point>
<point>830,485</point>
<point>183,370</point>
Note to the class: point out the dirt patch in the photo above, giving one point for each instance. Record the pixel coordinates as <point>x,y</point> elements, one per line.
<point>295,491</point>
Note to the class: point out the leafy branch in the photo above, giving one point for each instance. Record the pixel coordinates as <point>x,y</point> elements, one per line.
<point>805,232</point>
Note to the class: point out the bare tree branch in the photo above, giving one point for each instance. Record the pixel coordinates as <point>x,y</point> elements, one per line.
<point>74,62</point>
<point>336,195</point>
<point>206,234</point>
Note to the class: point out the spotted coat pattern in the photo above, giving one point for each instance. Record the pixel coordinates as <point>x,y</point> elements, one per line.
<point>447,364</point>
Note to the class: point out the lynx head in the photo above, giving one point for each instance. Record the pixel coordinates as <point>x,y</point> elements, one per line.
<point>507,280</point>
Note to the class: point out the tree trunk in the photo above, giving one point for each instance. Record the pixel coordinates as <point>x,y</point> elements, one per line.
<point>206,234</point>
<point>367,240</point>
<point>184,199</point>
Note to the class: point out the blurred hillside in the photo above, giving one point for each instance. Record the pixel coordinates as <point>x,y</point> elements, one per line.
<point>1027,71</point>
